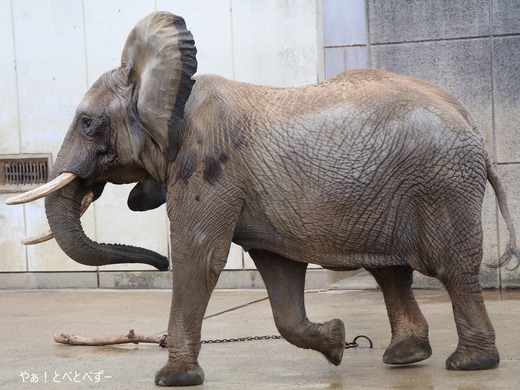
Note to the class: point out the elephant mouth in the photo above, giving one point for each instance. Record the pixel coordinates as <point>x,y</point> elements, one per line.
<point>96,188</point>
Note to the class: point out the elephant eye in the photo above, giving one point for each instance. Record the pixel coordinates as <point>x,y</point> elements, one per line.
<point>86,123</point>
<point>91,126</point>
<point>88,126</point>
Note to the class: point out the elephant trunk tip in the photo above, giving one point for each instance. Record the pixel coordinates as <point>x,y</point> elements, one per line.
<point>162,264</point>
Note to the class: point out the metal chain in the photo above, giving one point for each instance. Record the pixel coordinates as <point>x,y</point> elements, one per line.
<point>353,344</point>
<point>249,338</point>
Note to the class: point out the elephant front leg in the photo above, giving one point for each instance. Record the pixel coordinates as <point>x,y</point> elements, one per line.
<point>409,327</point>
<point>201,234</point>
<point>195,275</point>
<point>285,282</point>
<point>189,301</point>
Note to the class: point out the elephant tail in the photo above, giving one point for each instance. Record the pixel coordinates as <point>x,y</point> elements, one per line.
<point>500,193</point>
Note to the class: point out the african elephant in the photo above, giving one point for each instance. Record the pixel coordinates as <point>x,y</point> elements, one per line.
<point>368,169</point>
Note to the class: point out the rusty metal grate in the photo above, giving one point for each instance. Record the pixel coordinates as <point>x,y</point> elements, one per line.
<point>23,172</point>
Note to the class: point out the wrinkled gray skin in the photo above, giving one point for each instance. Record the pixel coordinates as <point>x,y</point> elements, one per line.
<point>368,169</point>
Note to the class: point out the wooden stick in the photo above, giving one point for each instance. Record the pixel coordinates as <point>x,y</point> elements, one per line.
<point>131,337</point>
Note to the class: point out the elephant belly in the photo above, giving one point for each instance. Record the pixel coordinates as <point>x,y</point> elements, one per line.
<point>346,242</point>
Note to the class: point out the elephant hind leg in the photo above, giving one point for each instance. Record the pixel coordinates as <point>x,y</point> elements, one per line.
<point>458,256</point>
<point>409,327</point>
<point>285,282</point>
<point>476,349</point>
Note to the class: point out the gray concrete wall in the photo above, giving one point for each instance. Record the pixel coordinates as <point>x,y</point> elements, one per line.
<point>472,48</point>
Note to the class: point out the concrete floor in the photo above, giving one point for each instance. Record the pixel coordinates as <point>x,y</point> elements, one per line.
<point>30,318</point>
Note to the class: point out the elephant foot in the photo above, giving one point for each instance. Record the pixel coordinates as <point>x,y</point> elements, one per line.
<point>179,375</point>
<point>410,350</point>
<point>335,336</point>
<point>477,360</point>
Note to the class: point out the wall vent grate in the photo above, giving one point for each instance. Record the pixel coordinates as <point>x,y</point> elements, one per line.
<point>23,172</point>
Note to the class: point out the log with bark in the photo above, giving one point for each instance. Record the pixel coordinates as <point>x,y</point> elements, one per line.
<point>130,337</point>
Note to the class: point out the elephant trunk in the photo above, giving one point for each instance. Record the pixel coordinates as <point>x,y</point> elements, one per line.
<point>63,213</point>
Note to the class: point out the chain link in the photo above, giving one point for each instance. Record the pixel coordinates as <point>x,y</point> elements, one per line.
<point>353,344</point>
<point>249,338</point>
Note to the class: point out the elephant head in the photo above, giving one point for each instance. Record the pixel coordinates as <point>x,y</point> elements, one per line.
<point>125,130</point>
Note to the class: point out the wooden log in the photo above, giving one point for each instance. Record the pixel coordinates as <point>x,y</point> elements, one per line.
<point>130,337</point>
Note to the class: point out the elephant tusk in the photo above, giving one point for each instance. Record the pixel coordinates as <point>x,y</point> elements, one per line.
<point>44,190</point>
<point>32,240</point>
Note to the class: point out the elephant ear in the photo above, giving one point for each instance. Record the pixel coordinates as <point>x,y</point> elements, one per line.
<point>158,62</point>
<point>146,195</point>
